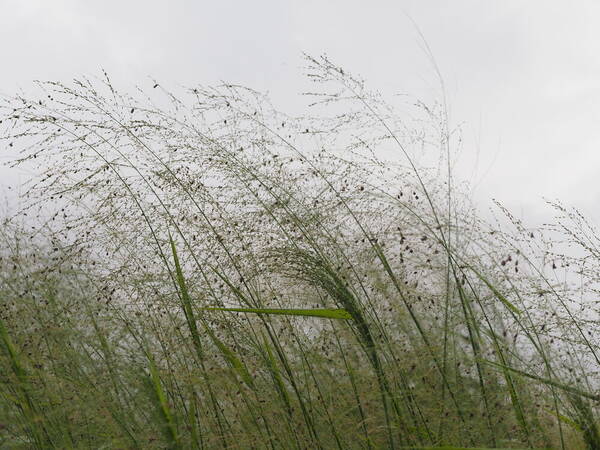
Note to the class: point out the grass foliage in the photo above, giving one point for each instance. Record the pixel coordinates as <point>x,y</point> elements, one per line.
<point>203,271</point>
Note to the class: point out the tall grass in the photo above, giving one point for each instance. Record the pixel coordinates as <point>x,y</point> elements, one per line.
<point>203,271</point>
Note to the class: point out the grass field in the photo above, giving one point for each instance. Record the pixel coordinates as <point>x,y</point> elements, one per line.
<point>203,271</point>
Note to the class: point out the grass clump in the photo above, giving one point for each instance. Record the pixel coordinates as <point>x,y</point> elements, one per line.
<point>204,271</point>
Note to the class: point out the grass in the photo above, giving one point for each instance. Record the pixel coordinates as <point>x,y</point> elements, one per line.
<point>203,271</point>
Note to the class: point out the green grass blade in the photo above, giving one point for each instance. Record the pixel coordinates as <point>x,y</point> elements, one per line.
<point>229,355</point>
<point>235,362</point>
<point>335,313</point>
<point>162,406</point>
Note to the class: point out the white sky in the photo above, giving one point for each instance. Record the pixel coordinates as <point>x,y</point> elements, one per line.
<point>523,76</point>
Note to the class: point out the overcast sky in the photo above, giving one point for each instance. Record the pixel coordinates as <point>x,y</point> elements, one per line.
<point>522,76</point>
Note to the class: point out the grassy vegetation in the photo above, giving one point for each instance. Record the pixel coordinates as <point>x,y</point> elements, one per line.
<point>204,271</point>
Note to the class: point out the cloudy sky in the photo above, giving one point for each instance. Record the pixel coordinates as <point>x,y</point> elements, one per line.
<point>522,77</point>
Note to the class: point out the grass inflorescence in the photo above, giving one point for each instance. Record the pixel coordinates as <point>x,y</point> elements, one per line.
<point>203,271</point>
